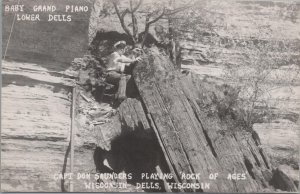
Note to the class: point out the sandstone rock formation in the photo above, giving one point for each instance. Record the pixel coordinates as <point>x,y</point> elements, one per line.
<point>194,135</point>
<point>35,127</point>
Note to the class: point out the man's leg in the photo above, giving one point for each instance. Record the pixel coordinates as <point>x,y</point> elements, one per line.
<point>121,94</point>
<point>119,80</point>
<point>113,77</point>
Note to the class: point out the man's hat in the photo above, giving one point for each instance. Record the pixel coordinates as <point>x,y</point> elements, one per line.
<point>120,44</point>
<point>137,50</point>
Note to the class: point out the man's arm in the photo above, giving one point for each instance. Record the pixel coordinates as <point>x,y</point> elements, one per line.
<point>112,69</point>
<point>124,59</point>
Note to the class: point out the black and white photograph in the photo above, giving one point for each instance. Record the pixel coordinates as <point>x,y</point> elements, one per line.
<point>150,96</point>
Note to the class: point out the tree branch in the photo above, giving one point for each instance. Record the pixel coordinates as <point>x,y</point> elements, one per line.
<point>124,13</point>
<point>121,18</point>
<point>147,26</point>
<point>158,18</point>
<point>134,22</point>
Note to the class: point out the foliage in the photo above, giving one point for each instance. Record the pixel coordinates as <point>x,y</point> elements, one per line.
<point>257,77</point>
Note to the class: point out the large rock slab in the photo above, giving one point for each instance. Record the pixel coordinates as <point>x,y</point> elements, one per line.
<point>194,138</point>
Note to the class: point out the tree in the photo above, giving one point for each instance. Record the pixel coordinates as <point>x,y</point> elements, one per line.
<point>152,14</point>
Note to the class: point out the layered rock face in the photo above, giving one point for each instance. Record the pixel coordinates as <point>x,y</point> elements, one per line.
<point>36,97</point>
<point>35,127</point>
<point>35,135</point>
<point>225,28</point>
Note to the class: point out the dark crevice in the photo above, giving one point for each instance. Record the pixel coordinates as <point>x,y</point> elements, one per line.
<point>264,158</point>
<point>282,181</point>
<point>134,155</point>
<point>210,143</point>
<point>256,159</point>
<point>234,136</point>
<point>256,138</point>
<point>249,167</point>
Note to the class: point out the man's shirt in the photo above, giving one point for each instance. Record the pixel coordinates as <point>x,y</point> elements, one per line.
<point>114,65</point>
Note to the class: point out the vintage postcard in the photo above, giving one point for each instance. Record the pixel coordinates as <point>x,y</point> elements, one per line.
<point>150,96</point>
